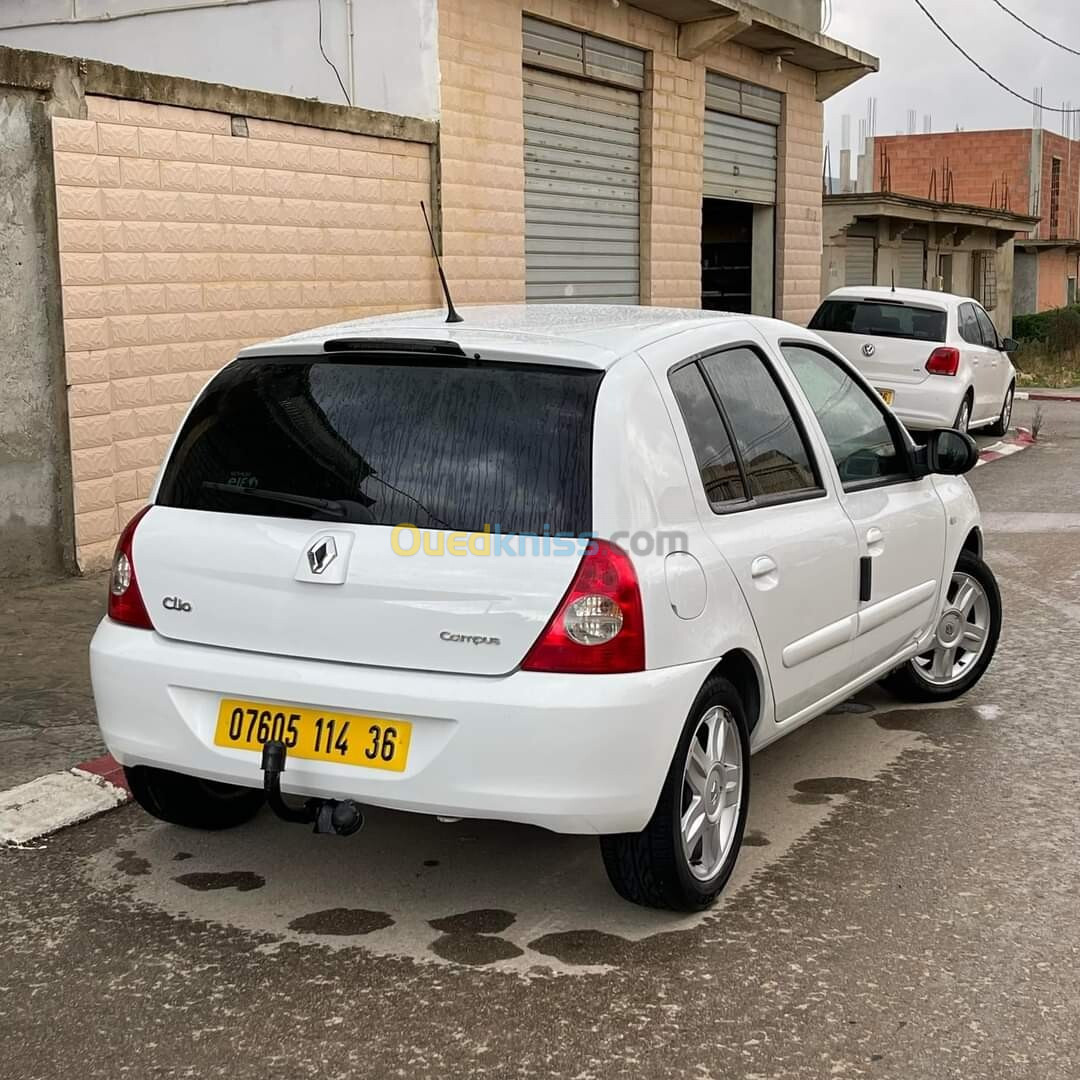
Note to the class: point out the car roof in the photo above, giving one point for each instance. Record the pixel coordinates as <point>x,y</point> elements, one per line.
<point>590,335</point>
<point>922,297</point>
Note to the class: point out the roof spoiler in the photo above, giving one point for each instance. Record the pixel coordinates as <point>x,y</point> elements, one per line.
<point>394,345</point>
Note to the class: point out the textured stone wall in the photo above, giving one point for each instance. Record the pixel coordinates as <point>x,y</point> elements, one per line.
<point>181,242</point>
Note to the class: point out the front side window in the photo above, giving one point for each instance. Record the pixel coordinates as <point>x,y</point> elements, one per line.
<point>863,444</point>
<point>720,473</point>
<point>988,335</point>
<point>969,325</point>
<point>772,447</point>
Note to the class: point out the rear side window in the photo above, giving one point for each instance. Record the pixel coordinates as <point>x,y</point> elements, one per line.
<point>388,440</point>
<point>873,319</point>
<point>712,447</point>
<point>774,453</point>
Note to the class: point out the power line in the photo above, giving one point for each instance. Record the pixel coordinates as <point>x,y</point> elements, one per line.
<point>327,58</point>
<point>993,78</point>
<point>1034,30</point>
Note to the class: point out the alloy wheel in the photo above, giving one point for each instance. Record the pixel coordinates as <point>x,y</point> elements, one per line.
<point>962,633</point>
<point>712,792</point>
<point>964,416</point>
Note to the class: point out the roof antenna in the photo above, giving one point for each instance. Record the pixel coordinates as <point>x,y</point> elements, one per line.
<point>451,313</point>
<point>893,278</point>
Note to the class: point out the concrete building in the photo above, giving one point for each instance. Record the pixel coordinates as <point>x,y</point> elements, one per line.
<point>1029,171</point>
<point>875,238</point>
<point>660,151</point>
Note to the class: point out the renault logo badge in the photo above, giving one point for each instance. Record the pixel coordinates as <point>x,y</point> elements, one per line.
<point>321,554</point>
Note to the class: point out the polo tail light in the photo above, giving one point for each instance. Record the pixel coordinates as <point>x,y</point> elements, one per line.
<point>599,627</point>
<point>944,361</point>
<point>125,600</point>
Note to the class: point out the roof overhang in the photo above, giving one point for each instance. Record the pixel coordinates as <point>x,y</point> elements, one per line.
<point>871,204</point>
<point>704,24</point>
<point>1068,243</point>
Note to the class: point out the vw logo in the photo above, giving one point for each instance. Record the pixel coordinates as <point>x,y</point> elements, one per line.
<point>869,349</point>
<point>321,554</point>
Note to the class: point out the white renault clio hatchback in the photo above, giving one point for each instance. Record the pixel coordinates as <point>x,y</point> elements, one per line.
<point>564,565</point>
<point>936,358</point>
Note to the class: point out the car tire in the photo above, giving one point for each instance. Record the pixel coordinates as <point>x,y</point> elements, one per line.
<point>654,867</point>
<point>917,680</point>
<point>1001,425</point>
<point>963,415</point>
<point>191,801</point>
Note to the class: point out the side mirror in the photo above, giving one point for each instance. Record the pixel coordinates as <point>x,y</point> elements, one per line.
<point>951,453</point>
<point>1010,345</point>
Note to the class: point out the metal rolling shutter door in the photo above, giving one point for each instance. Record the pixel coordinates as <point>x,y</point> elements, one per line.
<point>912,264</point>
<point>860,261</point>
<point>582,169</point>
<point>741,122</point>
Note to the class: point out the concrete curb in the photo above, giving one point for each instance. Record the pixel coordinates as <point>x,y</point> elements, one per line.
<point>56,800</point>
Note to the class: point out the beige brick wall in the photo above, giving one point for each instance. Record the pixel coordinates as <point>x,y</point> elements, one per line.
<point>180,243</point>
<point>482,151</point>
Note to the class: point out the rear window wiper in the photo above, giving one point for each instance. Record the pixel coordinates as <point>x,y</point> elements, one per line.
<point>333,507</point>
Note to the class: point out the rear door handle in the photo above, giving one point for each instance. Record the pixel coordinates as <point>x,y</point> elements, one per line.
<point>875,541</point>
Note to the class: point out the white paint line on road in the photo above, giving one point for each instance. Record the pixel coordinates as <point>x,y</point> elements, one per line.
<point>999,450</point>
<point>54,801</point>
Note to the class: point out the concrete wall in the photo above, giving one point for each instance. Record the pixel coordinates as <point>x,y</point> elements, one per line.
<point>807,13</point>
<point>888,235</point>
<point>270,45</point>
<point>1026,283</point>
<point>181,242</point>
<point>35,496</point>
<point>482,158</point>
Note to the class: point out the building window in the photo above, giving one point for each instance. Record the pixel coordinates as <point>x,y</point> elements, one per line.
<point>984,278</point>
<point>1055,197</point>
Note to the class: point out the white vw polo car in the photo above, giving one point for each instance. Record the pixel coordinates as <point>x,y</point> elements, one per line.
<point>567,566</point>
<point>936,358</point>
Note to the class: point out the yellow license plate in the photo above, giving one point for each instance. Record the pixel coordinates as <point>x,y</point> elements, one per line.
<point>886,395</point>
<point>317,734</point>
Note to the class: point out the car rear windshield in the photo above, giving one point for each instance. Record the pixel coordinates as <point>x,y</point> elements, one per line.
<point>389,440</point>
<point>872,318</point>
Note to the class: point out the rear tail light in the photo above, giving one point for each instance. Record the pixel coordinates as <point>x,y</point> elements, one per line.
<point>125,601</point>
<point>599,627</point>
<point>944,361</point>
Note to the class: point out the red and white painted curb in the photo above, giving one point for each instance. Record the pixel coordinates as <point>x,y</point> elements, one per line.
<point>1020,441</point>
<point>1027,395</point>
<point>59,799</point>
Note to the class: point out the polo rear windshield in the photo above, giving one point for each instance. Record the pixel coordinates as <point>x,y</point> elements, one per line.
<point>870,318</point>
<point>392,439</point>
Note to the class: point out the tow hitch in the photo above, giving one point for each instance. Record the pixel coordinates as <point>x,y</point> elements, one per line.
<point>341,817</point>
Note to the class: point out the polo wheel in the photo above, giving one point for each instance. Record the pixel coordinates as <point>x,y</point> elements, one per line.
<point>1001,425</point>
<point>684,856</point>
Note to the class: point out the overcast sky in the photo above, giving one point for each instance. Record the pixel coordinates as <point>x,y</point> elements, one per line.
<point>920,70</point>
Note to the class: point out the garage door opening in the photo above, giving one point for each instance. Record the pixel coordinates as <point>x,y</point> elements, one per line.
<point>737,257</point>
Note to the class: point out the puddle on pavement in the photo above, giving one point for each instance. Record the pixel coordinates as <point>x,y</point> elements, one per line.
<point>342,922</point>
<point>486,894</point>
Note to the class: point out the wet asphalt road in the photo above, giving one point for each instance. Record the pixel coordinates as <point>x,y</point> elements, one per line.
<point>908,905</point>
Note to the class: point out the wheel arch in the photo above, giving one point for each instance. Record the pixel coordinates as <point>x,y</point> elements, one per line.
<point>741,670</point>
<point>973,542</point>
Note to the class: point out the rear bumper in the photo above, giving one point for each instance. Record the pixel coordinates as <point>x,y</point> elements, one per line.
<point>932,403</point>
<point>574,754</point>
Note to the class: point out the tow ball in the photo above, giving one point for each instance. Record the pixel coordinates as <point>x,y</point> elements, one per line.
<point>340,817</point>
